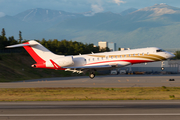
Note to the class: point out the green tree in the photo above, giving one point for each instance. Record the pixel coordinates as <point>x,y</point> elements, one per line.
<point>20,37</point>
<point>3,40</point>
<point>3,33</point>
<point>177,55</point>
<point>105,49</point>
<point>65,47</point>
<point>12,41</point>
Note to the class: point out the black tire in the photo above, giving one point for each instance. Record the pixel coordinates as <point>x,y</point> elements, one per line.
<point>91,75</point>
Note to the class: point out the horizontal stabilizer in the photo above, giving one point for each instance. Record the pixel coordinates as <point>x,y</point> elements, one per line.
<point>20,45</point>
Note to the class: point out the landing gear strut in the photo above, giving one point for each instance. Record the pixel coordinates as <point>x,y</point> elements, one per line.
<point>162,64</point>
<point>91,75</point>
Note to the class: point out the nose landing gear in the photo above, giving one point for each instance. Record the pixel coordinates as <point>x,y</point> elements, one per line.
<point>162,68</point>
<point>162,64</point>
<point>91,75</point>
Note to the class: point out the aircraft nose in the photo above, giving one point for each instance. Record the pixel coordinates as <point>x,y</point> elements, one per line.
<point>171,55</point>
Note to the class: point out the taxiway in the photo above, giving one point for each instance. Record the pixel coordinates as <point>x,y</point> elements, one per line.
<point>88,110</point>
<point>99,81</point>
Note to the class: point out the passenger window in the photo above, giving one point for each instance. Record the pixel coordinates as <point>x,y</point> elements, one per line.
<point>142,53</point>
<point>129,55</point>
<point>89,59</point>
<point>120,56</point>
<point>111,57</point>
<point>102,58</point>
<point>147,53</point>
<point>124,55</point>
<point>97,58</point>
<point>116,56</point>
<point>106,57</point>
<point>93,59</point>
<point>133,54</point>
<point>138,54</point>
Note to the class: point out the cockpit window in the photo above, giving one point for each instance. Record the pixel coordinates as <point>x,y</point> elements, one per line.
<point>160,50</point>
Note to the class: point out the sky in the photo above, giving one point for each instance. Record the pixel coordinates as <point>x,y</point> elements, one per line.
<point>13,7</point>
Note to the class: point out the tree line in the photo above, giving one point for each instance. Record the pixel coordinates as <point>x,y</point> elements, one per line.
<point>63,47</point>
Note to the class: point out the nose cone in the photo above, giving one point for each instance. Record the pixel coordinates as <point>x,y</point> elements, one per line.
<point>170,55</point>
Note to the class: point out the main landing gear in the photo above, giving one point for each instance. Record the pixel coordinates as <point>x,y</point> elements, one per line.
<point>91,75</point>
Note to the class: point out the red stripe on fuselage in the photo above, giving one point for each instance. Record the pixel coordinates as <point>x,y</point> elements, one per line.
<point>33,54</point>
<point>131,61</point>
<point>56,66</point>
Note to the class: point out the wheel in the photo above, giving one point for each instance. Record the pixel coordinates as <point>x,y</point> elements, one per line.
<point>91,75</point>
<point>162,68</point>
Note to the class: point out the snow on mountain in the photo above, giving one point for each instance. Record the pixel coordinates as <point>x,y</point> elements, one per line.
<point>160,9</point>
<point>45,15</point>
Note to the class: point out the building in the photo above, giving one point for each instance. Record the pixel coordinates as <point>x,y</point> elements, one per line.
<point>171,66</point>
<point>124,49</point>
<point>102,45</point>
<point>112,46</point>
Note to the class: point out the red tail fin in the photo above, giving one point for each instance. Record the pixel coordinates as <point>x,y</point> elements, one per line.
<point>33,54</point>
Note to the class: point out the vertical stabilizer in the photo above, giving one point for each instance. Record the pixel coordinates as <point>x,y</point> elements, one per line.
<point>38,52</point>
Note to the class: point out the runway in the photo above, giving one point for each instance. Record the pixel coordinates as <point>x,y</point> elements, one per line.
<point>88,110</point>
<point>99,81</point>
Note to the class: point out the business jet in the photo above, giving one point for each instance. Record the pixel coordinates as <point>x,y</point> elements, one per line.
<point>91,62</point>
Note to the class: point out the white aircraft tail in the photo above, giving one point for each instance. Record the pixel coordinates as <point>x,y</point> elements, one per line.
<point>38,52</point>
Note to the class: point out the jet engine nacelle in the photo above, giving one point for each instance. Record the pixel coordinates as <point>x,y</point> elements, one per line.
<point>64,61</point>
<point>79,61</point>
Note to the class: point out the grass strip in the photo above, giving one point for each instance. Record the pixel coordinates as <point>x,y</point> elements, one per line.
<point>83,94</point>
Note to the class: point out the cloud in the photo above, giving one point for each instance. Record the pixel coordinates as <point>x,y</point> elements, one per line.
<point>2,14</point>
<point>97,8</point>
<point>118,1</point>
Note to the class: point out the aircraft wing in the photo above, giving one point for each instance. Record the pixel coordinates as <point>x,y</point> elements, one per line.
<point>89,67</point>
<point>100,66</point>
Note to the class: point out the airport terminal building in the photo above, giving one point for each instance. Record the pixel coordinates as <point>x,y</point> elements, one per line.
<point>170,66</point>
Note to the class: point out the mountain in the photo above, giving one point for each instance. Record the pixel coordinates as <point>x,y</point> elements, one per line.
<point>128,11</point>
<point>33,21</point>
<point>45,15</point>
<point>12,25</point>
<point>154,11</point>
<point>157,26</point>
<point>160,9</point>
<point>71,29</point>
<point>150,26</point>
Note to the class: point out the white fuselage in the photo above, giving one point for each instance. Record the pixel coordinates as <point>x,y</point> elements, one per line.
<point>91,62</point>
<point>46,59</point>
<point>123,58</point>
